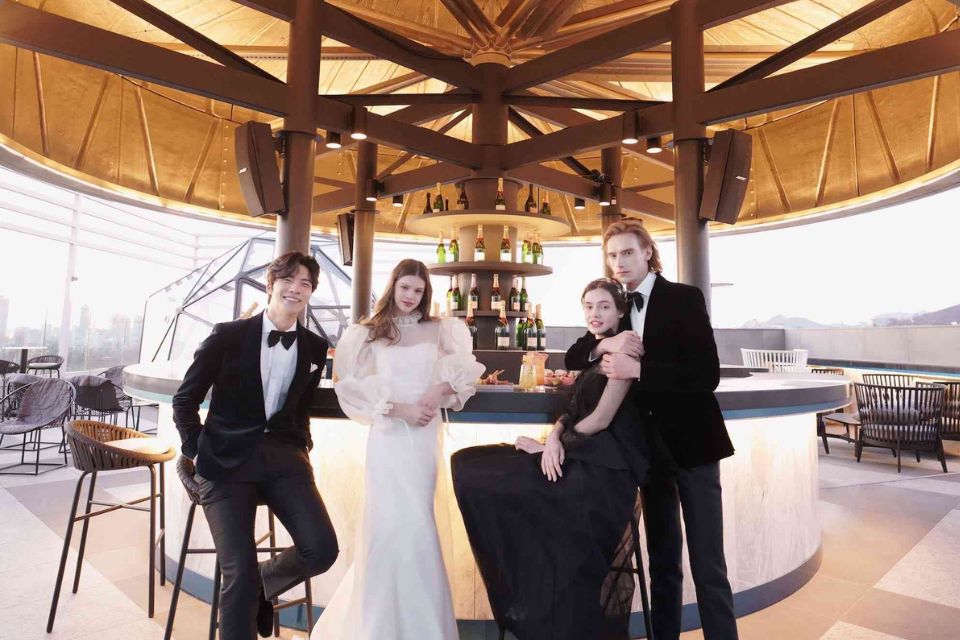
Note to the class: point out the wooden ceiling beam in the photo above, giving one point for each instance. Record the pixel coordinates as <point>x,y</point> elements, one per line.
<point>404,158</point>
<point>461,17</point>
<point>614,12</point>
<point>282,9</point>
<point>531,130</point>
<point>53,35</point>
<point>562,12</point>
<point>599,104</point>
<point>578,187</point>
<point>405,182</point>
<point>442,40</point>
<point>508,12</point>
<point>355,32</point>
<point>459,100</point>
<point>393,84</point>
<point>848,24</point>
<point>618,43</point>
<point>474,15</point>
<point>185,34</point>
<point>655,120</point>
<point>711,13</point>
<point>921,58</point>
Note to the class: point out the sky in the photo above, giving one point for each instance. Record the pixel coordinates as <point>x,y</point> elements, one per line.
<point>901,259</point>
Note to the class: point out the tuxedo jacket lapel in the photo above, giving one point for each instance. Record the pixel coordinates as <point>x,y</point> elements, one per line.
<point>653,323</point>
<point>250,379</point>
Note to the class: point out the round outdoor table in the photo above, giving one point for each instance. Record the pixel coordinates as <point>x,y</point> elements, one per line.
<point>23,353</point>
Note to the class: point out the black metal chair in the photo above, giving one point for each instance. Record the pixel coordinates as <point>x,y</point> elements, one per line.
<point>186,473</point>
<point>11,402</point>
<point>41,405</point>
<point>97,447</point>
<point>47,365</point>
<point>901,418</point>
<point>7,368</point>
<point>97,398</point>
<point>951,411</point>
<point>821,425</point>
<point>631,537</point>
<point>889,379</point>
<point>133,406</point>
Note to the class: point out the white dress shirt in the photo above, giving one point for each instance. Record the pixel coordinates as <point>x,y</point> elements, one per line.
<point>277,367</point>
<point>639,318</point>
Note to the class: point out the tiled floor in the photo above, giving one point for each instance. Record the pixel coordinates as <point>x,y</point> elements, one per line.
<point>889,571</point>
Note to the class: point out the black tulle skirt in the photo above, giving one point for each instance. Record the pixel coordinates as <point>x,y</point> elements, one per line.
<point>555,557</point>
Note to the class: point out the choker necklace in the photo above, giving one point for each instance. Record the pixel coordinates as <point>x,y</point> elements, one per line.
<point>413,318</point>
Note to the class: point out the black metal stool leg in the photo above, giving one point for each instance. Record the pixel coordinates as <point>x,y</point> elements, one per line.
<point>152,547</point>
<point>215,601</point>
<point>163,526</point>
<point>83,532</point>
<point>66,549</point>
<point>178,581</point>
<point>642,579</point>
<point>308,591</point>
<point>271,523</point>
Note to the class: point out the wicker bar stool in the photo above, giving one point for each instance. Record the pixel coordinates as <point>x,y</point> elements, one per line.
<point>96,447</point>
<point>186,473</point>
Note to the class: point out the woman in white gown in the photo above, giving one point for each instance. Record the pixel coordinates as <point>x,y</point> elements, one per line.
<point>395,372</point>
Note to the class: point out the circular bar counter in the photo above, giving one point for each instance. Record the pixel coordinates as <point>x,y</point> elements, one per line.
<point>770,487</point>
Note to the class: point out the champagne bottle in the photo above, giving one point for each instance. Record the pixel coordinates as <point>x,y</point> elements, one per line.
<point>479,251</point>
<point>500,203</point>
<point>530,340</point>
<point>438,201</point>
<point>503,329</point>
<point>472,325</point>
<point>446,204</point>
<point>441,251</point>
<point>525,254</point>
<point>427,208</point>
<point>530,206</point>
<point>495,297</point>
<point>462,197</point>
<point>521,333</point>
<point>454,251</point>
<point>514,295</point>
<point>474,292</point>
<point>537,251</point>
<point>524,299</point>
<point>450,304</point>
<point>541,332</point>
<point>545,209</point>
<point>505,245</point>
<point>457,297</point>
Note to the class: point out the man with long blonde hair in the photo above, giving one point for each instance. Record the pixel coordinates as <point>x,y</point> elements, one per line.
<point>666,346</point>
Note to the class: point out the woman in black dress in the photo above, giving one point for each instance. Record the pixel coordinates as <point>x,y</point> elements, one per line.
<point>549,523</point>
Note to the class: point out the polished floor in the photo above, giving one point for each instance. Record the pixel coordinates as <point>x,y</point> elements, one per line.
<point>891,560</point>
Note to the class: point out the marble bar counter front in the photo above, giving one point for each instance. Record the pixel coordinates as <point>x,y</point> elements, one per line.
<point>770,487</point>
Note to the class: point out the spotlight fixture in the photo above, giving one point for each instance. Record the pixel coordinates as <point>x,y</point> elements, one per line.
<point>359,127</point>
<point>373,189</point>
<point>333,140</point>
<point>606,194</point>
<point>654,145</point>
<point>579,204</point>
<point>398,200</point>
<point>631,124</point>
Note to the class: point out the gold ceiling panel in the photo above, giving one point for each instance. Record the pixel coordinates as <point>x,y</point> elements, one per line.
<point>178,148</point>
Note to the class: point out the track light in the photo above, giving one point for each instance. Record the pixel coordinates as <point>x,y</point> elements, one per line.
<point>606,194</point>
<point>654,145</point>
<point>398,200</point>
<point>359,128</point>
<point>579,204</point>
<point>333,140</point>
<point>373,189</point>
<point>631,124</point>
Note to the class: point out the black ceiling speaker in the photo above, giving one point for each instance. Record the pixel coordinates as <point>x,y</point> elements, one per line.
<point>728,174</point>
<point>345,236</point>
<point>258,170</point>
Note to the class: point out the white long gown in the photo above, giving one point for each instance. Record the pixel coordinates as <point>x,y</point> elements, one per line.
<point>397,587</point>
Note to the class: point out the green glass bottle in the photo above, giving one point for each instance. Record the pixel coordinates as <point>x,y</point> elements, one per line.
<point>541,332</point>
<point>441,251</point>
<point>514,295</point>
<point>457,297</point>
<point>503,330</point>
<point>454,251</point>
<point>427,208</point>
<point>472,326</point>
<point>438,201</point>
<point>524,298</point>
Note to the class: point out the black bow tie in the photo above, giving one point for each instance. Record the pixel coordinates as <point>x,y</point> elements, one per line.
<point>286,337</point>
<point>636,299</point>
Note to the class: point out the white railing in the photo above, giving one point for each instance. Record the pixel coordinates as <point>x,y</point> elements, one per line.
<point>775,359</point>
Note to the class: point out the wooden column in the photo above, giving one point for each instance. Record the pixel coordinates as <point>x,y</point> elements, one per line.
<point>610,166</point>
<point>693,238</point>
<point>363,231</point>
<point>303,74</point>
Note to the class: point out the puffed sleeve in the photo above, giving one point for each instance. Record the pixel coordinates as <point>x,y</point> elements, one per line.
<point>457,365</point>
<point>362,392</point>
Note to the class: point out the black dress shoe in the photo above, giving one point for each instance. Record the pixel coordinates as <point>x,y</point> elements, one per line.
<point>264,616</point>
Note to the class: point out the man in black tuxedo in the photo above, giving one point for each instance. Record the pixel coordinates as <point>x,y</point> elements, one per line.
<point>666,345</point>
<point>252,448</point>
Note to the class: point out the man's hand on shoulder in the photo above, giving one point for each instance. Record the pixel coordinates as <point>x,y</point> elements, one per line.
<point>625,342</point>
<point>620,366</point>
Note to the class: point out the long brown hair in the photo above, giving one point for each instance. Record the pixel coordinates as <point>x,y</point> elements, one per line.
<point>381,322</point>
<point>629,225</point>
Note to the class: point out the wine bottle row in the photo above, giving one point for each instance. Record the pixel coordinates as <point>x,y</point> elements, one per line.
<point>516,301</point>
<point>531,333</point>
<point>438,204</point>
<point>531,251</point>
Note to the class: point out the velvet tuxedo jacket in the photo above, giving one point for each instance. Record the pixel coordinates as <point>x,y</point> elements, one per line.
<point>229,362</point>
<point>679,372</point>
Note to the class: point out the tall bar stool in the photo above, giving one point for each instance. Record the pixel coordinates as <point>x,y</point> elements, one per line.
<point>185,471</point>
<point>96,447</point>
